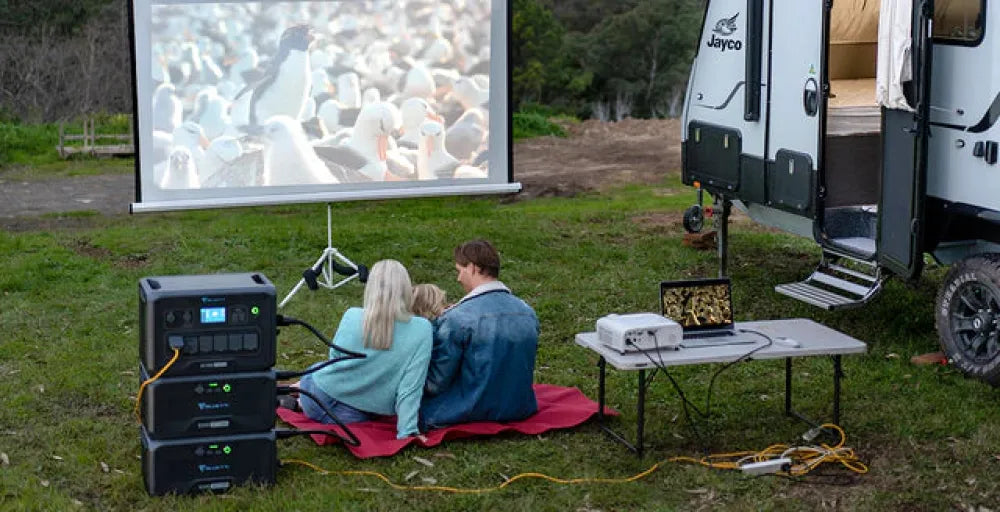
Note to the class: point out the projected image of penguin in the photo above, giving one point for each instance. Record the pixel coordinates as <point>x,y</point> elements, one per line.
<point>285,88</point>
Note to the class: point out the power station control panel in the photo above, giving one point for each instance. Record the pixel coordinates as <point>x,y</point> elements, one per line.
<point>221,323</point>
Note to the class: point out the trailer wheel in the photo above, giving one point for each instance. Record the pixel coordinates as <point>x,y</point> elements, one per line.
<point>694,219</point>
<point>967,315</point>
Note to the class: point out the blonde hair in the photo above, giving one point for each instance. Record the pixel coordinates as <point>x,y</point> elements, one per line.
<point>428,301</point>
<point>388,295</point>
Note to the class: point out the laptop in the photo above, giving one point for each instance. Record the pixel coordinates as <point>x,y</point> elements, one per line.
<point>704,310</point>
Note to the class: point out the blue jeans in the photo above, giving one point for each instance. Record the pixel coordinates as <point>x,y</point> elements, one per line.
<point>345,413</point>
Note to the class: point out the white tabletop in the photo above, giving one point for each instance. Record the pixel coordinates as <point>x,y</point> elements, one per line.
<point>813,339</point>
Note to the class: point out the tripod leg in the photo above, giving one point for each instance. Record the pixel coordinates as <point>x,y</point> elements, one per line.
<point>292,293</point>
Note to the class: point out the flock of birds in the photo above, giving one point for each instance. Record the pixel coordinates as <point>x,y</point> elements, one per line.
<point>299,93</point>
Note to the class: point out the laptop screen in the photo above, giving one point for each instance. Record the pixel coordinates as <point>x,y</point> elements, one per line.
<point>698,304</point>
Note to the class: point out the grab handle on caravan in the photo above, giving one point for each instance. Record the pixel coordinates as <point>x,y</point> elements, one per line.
<point>810,97</point>
<point>754,45</point>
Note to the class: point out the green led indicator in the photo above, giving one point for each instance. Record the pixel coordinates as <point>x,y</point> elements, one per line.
<point>213,384</point>
<point>213,446</point>
<point>226,450</point>
<point>255,310</point>
<point>227,388</point>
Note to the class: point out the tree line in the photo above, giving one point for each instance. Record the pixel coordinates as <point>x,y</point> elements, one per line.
<point>606,59</point>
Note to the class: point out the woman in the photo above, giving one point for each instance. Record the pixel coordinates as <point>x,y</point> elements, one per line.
<point>390,380</point>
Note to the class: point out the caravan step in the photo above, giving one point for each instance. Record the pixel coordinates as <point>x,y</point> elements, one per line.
<point>816,296</point>
<point>835,286</point>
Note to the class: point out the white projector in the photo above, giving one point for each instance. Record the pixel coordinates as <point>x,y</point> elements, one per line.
<point>639,331</point>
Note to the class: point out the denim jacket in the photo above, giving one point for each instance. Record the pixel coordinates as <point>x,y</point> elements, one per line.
<point>483,361</point>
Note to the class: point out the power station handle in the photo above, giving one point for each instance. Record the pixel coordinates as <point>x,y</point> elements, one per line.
<point>810,97</point>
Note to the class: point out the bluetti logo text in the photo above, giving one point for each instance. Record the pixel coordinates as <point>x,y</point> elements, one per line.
<point>206,468</point>
<point>213,300</point>
<point>725,27</point>
<point>202,406</point>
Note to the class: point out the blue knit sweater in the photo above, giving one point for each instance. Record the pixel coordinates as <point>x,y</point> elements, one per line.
<point>386,382</point>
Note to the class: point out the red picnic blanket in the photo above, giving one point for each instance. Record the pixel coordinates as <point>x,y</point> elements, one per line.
<point>558,408</point>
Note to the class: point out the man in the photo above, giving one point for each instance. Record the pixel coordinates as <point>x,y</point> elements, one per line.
<point>484,348</point>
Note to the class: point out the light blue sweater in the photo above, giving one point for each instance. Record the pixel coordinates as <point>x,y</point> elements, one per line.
<point>387,381</point>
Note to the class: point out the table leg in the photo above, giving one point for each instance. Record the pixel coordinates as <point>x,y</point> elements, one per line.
<point>602,364</point>
<point>837,374</point>
<point>641,413</point>
<point>788,386</point>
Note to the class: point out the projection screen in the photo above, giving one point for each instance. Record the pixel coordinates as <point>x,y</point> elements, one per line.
<point>256,102</point>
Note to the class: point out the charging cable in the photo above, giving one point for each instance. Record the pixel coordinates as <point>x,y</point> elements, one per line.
<point>142,387</point>
<point>786,461</point>
<point>350,439</point>
<point>283,321</point>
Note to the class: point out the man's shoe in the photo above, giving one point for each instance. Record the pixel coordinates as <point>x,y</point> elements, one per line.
<point>289,402</point>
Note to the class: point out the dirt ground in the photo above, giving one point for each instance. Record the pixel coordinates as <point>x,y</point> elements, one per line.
<point>597,155</point>
<point>594,156</point>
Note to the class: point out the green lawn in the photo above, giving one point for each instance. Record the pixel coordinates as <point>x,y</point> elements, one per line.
<point>68,358</point>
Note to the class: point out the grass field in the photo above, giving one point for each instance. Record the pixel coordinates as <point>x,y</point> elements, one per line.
<point>68,358</point>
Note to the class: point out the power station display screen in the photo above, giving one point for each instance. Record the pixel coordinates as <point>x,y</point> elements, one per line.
<point>266,102</point>
<point>213,315</point>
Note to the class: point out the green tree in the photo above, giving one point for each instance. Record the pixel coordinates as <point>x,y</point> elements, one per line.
<point>539,70</point>
<point>66,16</point>
<point>643,54</point>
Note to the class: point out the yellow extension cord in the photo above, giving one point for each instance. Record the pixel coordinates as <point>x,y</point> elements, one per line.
<point>804,460</point>
<point>142,387</point>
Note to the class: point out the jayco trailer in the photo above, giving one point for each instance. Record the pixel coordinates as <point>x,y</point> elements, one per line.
<point>869,127</point>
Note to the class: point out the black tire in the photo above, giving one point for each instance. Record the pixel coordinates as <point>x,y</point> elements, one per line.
<point>694,219</point>
<point>967,315</point>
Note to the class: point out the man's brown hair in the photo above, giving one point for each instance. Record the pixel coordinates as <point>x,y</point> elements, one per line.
<point>481,254</point>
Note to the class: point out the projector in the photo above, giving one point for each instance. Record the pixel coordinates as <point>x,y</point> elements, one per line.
<point>639,331</point>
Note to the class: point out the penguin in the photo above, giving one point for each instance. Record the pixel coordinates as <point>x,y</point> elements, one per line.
<point>286,85</point>
<point>168,111</point>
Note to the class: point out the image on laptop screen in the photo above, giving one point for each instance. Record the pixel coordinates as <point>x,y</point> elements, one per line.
<point>698,304</point>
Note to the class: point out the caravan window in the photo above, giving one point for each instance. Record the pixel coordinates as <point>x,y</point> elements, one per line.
<point>959,21</point>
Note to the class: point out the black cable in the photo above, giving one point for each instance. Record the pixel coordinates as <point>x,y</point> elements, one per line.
<point>291,374</point>
<point>286,433</point>
<point>680,392</point>
<point>353,439</point>
<point>685,403</point>
<point>283,321</point>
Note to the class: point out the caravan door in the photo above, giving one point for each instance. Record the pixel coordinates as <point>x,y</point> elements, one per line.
<point>904,162</point>
<point>799,86</point>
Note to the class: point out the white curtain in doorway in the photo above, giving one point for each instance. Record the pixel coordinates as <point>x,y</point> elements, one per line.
<point>894,48</point>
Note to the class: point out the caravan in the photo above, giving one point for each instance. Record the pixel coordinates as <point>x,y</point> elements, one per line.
<point>869,127</point>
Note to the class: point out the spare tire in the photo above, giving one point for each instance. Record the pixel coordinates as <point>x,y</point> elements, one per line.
<point>967,315</point>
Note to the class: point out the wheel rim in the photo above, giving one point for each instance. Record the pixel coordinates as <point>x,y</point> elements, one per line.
<point>975,321</point>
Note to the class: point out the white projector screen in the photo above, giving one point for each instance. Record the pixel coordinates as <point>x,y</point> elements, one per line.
<point>257,102</point>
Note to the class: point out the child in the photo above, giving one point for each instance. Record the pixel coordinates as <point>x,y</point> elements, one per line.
<point>428,301</point>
